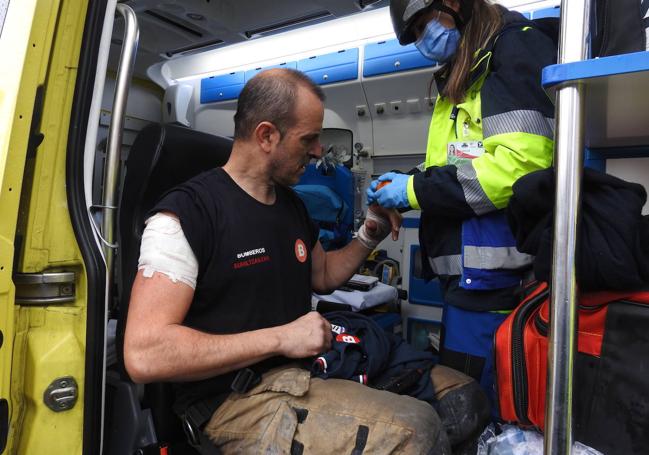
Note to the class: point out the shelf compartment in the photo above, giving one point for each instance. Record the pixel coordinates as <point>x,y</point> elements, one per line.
<point>330,68</point>
<point>222,88</point>
<point>389,56</point>
<point>616,99</point>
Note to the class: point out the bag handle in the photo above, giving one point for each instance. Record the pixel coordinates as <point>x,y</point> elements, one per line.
<point>603,297</point>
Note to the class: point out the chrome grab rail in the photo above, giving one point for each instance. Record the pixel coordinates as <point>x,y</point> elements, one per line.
<point>568,160</point>
<point>112,165</point>
<point>114,145</point>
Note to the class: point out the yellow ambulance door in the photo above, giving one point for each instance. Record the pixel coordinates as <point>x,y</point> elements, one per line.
<point>42,276</point>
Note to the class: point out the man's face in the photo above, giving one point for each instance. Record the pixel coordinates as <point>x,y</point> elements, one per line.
<point>301,142</point>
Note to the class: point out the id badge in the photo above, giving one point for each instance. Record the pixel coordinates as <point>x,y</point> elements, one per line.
<point>462,152</point>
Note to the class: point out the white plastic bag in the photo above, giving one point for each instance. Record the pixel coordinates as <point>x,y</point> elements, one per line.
<point>515,441</point>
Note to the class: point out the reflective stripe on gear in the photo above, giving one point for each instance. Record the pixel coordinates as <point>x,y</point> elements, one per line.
<point>473,192</point>
<point>412,197</point>
<point>490,258</point>
<point>520,121</point>
<point>446,265</point>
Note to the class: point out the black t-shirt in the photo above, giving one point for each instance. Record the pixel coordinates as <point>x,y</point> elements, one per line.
<point>254,261</point>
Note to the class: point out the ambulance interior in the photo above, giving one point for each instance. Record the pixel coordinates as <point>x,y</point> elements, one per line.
<point>192,60</point>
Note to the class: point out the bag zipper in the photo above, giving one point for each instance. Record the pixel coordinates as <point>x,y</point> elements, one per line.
<point>542,326</point>
<point>453,117</point>
<point>519,369</point>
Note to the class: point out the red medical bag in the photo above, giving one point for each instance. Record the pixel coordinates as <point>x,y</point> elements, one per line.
<point>611,369</point>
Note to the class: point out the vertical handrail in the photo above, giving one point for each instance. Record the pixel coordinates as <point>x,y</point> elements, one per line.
<point>114,145</point>
<point>112,164</point>
<point>568,160</point>
<point>90,148</point>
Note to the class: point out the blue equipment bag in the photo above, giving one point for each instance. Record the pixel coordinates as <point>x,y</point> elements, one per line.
<point>329,199</point>
<point>328,210</point>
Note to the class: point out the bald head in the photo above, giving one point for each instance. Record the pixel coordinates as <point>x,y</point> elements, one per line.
<point>270,96</point>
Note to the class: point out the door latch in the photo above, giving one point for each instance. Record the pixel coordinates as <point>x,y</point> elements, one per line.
<point>61,394</point>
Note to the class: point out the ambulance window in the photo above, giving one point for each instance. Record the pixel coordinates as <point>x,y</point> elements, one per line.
<point>4,4</point>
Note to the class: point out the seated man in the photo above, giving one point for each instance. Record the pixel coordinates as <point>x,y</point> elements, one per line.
<point>227,264</point>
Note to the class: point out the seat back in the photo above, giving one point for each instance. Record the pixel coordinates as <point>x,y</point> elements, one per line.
<point>161,157</point>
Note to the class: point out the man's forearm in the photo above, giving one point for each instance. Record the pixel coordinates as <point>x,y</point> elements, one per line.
<point>179,353</point>
<point>341,264</point>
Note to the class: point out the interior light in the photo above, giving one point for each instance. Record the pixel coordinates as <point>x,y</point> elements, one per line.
<point>331,36</point>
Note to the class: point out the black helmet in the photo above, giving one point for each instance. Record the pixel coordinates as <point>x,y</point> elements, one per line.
<point>404,13</point>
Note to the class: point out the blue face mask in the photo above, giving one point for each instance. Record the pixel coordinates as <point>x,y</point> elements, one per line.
<point>437,42</point>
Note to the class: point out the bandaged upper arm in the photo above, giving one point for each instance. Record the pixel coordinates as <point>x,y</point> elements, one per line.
<point>165,249</point>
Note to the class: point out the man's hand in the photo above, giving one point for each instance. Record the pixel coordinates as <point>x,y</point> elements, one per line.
<point>307,336</point>
<point>392,215</point>
<point>378,224</point>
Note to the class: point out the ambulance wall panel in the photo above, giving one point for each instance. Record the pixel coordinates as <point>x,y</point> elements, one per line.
<point>216,118</point>
<point>144,106</point>
<point>342,111</point>
<point>342,100</point>
<point>409,237</point>
<point>400,106</point>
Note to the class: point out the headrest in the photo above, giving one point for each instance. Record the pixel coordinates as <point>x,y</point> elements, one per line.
<point>162,157</point>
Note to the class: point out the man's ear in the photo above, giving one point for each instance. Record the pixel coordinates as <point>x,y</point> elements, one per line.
<point>267,136</point>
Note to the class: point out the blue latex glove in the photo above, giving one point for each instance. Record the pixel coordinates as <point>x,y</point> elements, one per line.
<point>391,196</point>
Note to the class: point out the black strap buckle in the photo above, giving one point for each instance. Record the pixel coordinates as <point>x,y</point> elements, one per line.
<point>196,417</point>
<point>245,380</point>
<point>153,449</point>
<point>192,422</point>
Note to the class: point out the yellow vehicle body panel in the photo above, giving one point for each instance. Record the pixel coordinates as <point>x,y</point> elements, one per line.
<point>41,39</point>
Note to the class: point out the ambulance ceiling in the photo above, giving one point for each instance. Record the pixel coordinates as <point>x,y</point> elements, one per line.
<point>171,28</point>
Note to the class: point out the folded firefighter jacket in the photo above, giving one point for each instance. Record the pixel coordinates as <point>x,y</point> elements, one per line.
<point>363,352</point>
<point>613,236</point>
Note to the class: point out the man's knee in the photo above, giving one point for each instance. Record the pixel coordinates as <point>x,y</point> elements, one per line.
<point>462,405</point>
<point>394,422</point>
<point>430,435</point>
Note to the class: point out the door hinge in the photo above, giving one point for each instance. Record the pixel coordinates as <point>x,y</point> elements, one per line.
<point>51,288</point>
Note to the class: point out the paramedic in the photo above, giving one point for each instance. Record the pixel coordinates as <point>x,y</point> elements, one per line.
<point>492,123</point>
<point>221,299</point>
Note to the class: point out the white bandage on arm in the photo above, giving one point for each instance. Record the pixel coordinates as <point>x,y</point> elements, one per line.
<point>165,249</point>
<point>371,239</point>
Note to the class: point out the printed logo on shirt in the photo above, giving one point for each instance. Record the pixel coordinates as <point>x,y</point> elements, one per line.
<point>347,338</point>
<point>300,250</point>
<point>337,328</point>
<point>254,252</point>
<point>251,257</point>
